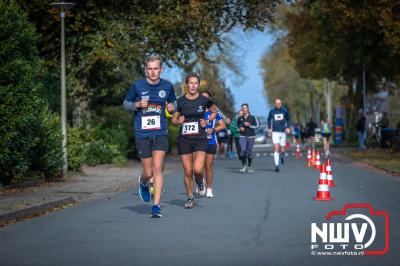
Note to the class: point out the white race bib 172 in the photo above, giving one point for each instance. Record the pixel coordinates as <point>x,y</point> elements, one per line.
<point>191,128</point>
<point>151,122</point>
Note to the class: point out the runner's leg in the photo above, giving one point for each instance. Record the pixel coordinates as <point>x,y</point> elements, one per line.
<point>209,169</point>
<point>158,162</point>
<point>275,141</point>
<point>243,157</point>
<point>250,145</point>
<point>282,142</point>
<point>187,162</point>
<point>199,158</point>
<point>147,170</point>
<point>243,146</point>
<point>237,145</point>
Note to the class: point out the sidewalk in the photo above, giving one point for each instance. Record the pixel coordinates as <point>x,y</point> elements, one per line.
<point>95,182</point>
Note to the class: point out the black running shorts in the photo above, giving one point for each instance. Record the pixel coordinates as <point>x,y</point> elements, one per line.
<point>146,146</point>
<point>191,145</point>
<point>211,149</point>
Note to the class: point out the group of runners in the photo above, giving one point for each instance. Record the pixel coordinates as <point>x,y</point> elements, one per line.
<point>199,121</point>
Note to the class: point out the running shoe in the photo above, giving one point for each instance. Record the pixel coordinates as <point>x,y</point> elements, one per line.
<point>144,191</point>
<point>277,168</point>
<point>249,170</point>
<point>282,157</point>
<point>156,212</point>
<point>201,190</point>
<point>209,193</point>
<point>243,170</point>
<point>189,203</point>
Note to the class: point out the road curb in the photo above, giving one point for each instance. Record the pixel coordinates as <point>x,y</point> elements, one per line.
<point>7,218</point>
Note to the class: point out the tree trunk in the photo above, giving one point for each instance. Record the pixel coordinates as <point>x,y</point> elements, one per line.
<point>81,104</point>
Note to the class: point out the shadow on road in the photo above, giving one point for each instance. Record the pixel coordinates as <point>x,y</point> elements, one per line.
<point>180,203</point>
<point>141,209</point>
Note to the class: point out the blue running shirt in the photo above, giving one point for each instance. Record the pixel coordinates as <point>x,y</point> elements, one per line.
<point>212,139</point>
<point>150,121</point>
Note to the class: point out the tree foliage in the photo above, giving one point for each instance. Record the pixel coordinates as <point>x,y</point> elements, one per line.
<point>113,37</point>
<point>29,140</point>
<point>328,39</point>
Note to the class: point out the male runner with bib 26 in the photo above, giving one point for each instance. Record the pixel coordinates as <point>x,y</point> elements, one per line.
<point>149,98</point>
<point>278,126</point>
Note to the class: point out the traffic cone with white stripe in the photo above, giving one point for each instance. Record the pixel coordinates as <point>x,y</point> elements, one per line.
<point>329,173</point>
<point>309,163</point>
<point>323,192</point>
<point>313,157</point>
<point>318,161</point>
<point>298,151</point>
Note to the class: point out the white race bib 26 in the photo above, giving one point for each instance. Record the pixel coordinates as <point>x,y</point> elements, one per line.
<point>191,128</point>
<point>151,122</point>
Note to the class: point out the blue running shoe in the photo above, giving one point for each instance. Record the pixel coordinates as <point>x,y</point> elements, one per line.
<point>156,212</point>
<point>282,156</point>
<point>144,191</point>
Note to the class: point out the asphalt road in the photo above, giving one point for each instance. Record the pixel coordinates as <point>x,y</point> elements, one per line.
<point>255,219</point>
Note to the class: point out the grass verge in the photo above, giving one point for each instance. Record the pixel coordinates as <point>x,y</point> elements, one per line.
<point>379,158</point>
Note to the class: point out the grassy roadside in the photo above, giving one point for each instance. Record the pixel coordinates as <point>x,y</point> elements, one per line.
<point>380,158</point>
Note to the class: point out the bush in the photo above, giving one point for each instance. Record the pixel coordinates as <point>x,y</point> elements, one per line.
<point>120,122</point>
<point>94,144</point>
<point>173,132</point>
<point>28,140</point>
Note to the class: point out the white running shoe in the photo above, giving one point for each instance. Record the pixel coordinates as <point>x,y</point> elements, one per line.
<point>243,170</point>
<point>201,189</point>
<point>249,170</point>
<point>209,193</point>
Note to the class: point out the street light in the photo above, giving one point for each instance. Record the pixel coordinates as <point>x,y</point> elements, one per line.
<point>63,7</point>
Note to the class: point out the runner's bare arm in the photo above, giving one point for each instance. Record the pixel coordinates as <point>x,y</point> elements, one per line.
<point>177,119</point>
<point>171,107</point>
<point>212,116</point>
<point>220,125</point>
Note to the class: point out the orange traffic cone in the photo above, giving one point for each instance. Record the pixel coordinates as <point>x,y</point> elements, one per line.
<point>309,164</point>
<point>323,192</point>
<point>298,151</point>
<point>313,157</point>
<point>329,173</point>
<point>318,161</point>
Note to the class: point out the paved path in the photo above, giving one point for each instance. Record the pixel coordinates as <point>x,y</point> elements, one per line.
<point>259,219</point>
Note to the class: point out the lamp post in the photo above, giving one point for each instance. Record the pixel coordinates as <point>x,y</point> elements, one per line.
<point>63,7</point>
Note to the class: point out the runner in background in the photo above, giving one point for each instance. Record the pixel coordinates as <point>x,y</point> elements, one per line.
<point>310,129</point>
<point>229,152</point>
<point>215,124</point>
<point>236,133</point>
<point>222,137</point>
<point>247,123</point>
<point>148,98</point>
<point>278,126</point>
<point>296,133</point>
<point>326,126</point>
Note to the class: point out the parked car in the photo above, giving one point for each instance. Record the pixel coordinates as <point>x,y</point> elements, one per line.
<point>261,136</point>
